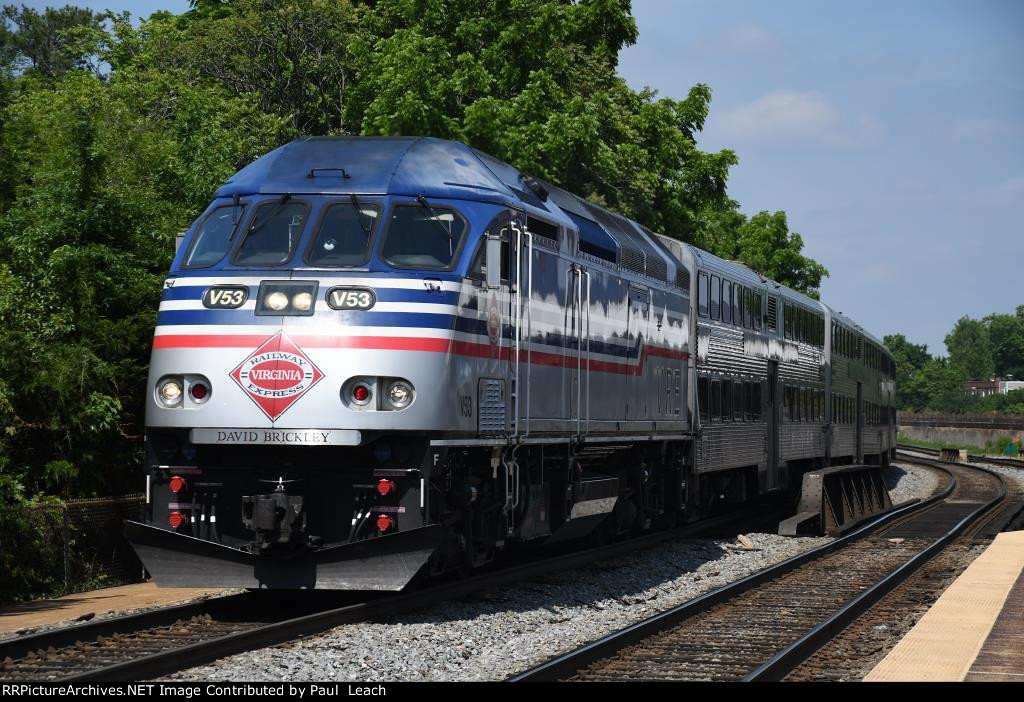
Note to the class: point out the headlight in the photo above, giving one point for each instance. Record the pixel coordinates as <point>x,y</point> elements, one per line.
<point>399,394</point>
<point>303,301</point>
<point>277,301</point>
<point>170,392</point>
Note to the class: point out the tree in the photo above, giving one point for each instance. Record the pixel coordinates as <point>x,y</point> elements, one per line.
<point>1006,334</point>
<point>52,42</point>
<point>294,57</point>
<point>105,174</point>
<point>765,244</point>
<point>912,391</point>
<point>970,349</point>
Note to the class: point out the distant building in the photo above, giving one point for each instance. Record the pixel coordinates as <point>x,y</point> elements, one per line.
<point>995,386</point>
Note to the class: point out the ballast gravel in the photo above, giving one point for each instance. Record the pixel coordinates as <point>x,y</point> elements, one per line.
<point>906,482</point>
<point>510,629</point>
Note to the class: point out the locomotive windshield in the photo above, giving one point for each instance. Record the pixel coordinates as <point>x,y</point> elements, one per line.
<point>343,236</point>
<point>273,234</point>
<point>424,237</point>
<point>213,236</point>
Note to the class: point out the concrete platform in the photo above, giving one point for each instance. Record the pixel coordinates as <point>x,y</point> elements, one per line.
<point>122,599</point>
<point>974,631</point>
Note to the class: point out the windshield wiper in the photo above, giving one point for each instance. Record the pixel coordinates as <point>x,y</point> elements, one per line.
<point>359,216</point>
<point>437,222</point>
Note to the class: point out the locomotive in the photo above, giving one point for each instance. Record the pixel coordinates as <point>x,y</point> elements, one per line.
<point>378,358</point>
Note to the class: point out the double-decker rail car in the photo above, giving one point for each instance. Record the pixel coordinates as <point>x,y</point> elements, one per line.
<point>380,357</point>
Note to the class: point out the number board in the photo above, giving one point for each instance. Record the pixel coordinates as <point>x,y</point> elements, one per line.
<point>225,297</point>
<point>351,298</point>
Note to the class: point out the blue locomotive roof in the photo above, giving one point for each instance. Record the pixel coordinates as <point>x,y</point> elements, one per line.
<point>372,165</point>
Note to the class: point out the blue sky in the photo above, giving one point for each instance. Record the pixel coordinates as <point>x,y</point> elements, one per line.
<point>892,133</point>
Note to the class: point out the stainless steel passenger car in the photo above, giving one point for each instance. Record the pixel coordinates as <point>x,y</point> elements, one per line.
<point>380,357</point>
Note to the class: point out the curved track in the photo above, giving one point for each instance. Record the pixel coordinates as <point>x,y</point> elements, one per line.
<point>763,626</point>
<point>164,641</point>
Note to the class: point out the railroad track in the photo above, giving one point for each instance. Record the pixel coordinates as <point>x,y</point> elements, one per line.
<point>973,458</point>
<point>764,626</point>
<point>161,642</point>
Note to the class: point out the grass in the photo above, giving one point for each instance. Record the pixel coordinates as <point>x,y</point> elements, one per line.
<point>995,449</point>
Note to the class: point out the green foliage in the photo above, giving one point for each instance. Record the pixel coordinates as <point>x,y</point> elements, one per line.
<point>31,548</point>
<point>1006,337</point>
<point>104,174</point>
<point>765,244</point>
<point>978,349</point>
<point>52,42</point>
<point>970,349</point>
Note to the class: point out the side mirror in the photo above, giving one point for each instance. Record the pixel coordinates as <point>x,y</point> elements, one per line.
<point>178,239</point>
<point>493,261</point>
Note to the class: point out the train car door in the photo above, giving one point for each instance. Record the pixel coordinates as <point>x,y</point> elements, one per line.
<point>637,395</point>
<point>772,408</point>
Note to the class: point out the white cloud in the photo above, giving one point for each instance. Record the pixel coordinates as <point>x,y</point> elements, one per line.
<point>793,115</point>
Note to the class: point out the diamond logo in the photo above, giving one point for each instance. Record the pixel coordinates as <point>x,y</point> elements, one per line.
<point>276,375</point>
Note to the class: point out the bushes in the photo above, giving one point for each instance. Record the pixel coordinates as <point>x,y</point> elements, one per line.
<point>49,547</point>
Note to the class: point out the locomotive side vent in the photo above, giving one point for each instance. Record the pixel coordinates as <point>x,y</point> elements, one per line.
<point>633,260</point>
<point>657,269</point>
<point>491,415</point>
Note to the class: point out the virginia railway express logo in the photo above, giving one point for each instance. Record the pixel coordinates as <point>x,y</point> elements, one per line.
<point>276,375</point>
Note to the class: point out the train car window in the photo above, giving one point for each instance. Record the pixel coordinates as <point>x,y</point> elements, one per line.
<point>716,400</point>
<point>787,403</point>
<point>737,400</point>
<point>757,401</point>
<point>500,226</point>
<point>748,308</point>
<point>424,238</point>
<point>716,297</point>
<point>727,400</point>
<point>343,235</point>
<point>727,302</point>
<point>704,399</point>
<point>758,311</point>
<point>273,234</point>
<point>702,294</point>
<point>213,236</point>
<point>748,401</point>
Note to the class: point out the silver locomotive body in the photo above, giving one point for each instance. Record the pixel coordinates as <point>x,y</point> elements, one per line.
<point>376,358</point>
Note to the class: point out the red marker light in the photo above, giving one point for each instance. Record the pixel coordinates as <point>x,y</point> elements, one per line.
<point>177,484</point>
<point>384,522</point>
<point>199,391</point>
<point>385,487</point>
<point>360,393</point>
<point>176,519</point>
